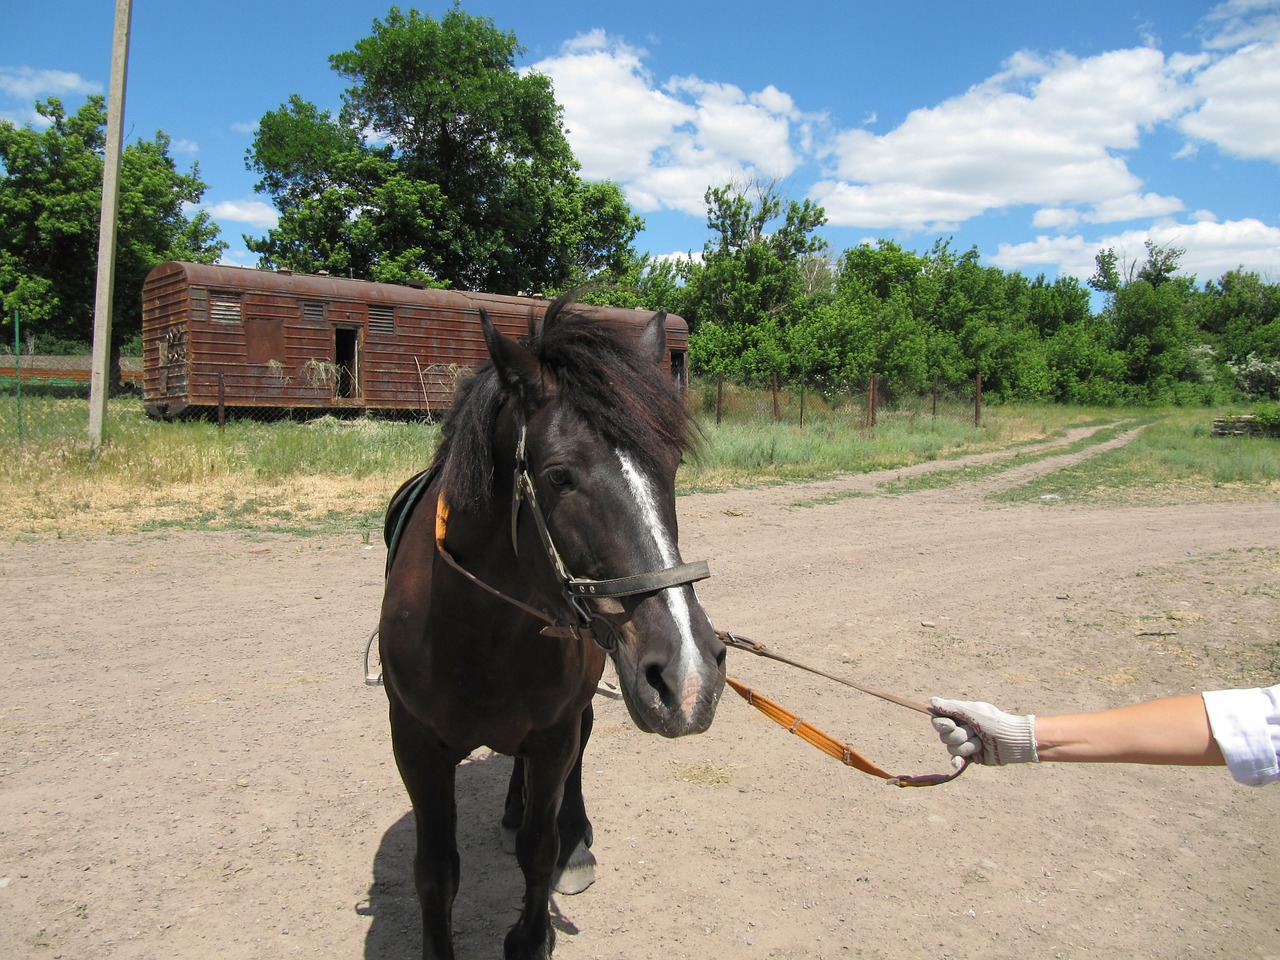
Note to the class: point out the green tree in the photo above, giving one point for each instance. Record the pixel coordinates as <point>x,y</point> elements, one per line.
<point>1240,314</point>
<point>1152,315</point>
<point>756,269</point>
<point>50,197</point>
<point>446,165</point>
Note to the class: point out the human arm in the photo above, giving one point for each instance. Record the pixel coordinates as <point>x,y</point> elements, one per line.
<point>1173,730</point>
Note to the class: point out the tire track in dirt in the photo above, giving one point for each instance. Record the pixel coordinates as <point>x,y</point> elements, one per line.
<point>873,482</point>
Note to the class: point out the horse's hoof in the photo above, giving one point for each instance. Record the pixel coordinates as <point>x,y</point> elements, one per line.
<point>508,840</point>
<point>579,873</point>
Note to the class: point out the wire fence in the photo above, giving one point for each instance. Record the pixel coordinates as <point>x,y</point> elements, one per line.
<point>43,400</point>
<point>858,406</point>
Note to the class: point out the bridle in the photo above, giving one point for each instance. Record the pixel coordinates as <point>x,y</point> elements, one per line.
<point>576,591</point>
<point>585,624</point>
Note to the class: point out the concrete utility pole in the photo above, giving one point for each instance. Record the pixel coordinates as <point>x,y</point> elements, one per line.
<point>100,375</point>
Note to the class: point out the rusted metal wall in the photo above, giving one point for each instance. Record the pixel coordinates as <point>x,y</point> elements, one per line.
<point>281,341</point>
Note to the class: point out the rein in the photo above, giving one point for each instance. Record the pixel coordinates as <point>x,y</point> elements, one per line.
<point>578,589</point>
<point>811,734</point>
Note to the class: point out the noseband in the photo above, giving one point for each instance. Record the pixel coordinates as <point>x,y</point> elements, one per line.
<point>576,590</point>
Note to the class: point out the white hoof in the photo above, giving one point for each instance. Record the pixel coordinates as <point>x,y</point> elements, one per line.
<point>579,873</point>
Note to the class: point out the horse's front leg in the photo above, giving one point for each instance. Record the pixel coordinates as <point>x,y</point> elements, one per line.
<point>549,757</point>
<point>576,866</point>
<point>428,775</point>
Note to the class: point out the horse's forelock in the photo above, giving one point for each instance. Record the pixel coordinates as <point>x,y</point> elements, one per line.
<point>599,376</point>
<point>620,393</point>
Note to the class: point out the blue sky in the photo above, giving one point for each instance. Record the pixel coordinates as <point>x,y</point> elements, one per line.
<point>1038,133</point>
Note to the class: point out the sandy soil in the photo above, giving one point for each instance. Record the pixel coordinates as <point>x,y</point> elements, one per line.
<point>191,765</point>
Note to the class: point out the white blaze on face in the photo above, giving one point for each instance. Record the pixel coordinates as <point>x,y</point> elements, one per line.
<point>675,598</point>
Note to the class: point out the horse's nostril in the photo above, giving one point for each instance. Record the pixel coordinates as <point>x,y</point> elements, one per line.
<point>722,657</point>
<point>653,676</point>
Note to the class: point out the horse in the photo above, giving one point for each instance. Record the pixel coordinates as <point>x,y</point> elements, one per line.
<point>558,455</point>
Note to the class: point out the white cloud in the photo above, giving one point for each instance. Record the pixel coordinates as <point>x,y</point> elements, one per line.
<point>1133,206</point>
<point>897,205</point>
<point>666,143</point>
<point>1237,23</point>
<point>184,146</point>
<point>1048,132</point>
<point>255,213</point>
<point>1053,218</point>
<point>1212,249</point>
<point>27,83</point>
<point>1238,99</point>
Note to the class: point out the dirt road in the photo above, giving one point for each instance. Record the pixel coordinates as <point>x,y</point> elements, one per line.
<point>190,764</point>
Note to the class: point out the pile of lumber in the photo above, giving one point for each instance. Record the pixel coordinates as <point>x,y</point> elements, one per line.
<point>1241,426</point>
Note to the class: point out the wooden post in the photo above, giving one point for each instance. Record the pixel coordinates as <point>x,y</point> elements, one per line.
<point>222,401</point>
<point>977,404</point>
<point>100,371</point>
<point>17,368</point>
<point>719,395</point>
<point>777,410</point>
<point>804,375</point>
<point>871,403</point>
<point>935,396</point>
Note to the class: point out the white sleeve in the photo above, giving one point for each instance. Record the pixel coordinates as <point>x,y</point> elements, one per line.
<point>1246,724</point>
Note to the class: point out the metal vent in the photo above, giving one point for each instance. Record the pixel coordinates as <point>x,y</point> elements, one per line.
<point>225,308</point>
<point>382,318</point>
<point>312,310</point>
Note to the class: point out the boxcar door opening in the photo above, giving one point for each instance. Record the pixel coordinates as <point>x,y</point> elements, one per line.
<point>346,358</point>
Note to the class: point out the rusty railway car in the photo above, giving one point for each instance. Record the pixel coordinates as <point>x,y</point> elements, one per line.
<point>303,345</point>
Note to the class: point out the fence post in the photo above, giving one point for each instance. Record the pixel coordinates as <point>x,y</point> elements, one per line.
<point>719,395</point>
<point>871,403</point>
<point>977,404</point>
<point>935,396</point>
<point>17,368</point>
<point>777,410</point>
<point>804,376</point>
<point>222,401</point>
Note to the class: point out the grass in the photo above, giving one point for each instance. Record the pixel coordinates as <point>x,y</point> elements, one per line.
<point>331,475</point>
<point>1174,459</point>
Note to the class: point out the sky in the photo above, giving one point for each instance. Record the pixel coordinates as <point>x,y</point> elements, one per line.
<point>1037,133</point>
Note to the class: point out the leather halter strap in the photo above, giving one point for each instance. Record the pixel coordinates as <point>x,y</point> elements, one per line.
<point>576,589</point>
<point>524,492</point>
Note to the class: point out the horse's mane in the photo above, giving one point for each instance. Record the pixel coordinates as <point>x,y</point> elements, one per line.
<point>598,375</point>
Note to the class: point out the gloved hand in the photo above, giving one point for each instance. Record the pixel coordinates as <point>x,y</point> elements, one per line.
<point>984,733</point>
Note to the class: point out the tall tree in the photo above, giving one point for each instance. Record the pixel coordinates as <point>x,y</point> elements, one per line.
<point>445,164</point>
<point>50,195</point>
<point>753,274</point>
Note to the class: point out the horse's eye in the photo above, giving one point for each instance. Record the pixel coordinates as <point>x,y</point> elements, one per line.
<point>558,476</point>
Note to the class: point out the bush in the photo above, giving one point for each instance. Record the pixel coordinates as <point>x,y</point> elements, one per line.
<point>1257,377</point>
<point>1267,416</point>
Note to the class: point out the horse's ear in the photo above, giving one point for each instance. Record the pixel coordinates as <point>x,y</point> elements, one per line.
<point>653,342</point>
<point>518,370</point>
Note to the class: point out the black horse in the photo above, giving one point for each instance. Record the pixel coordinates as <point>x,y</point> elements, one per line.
<point>558,456</point>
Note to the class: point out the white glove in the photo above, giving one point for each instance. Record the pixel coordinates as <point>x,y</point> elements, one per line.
<point>983,733</point>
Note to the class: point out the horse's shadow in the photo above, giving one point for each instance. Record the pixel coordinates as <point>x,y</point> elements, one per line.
<point>491,888</point>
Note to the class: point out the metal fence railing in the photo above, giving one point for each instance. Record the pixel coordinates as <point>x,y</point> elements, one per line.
<point>43,398</point>
<point>861,406</point>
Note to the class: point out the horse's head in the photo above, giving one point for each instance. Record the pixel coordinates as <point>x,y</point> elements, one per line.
<point>602,429</point>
